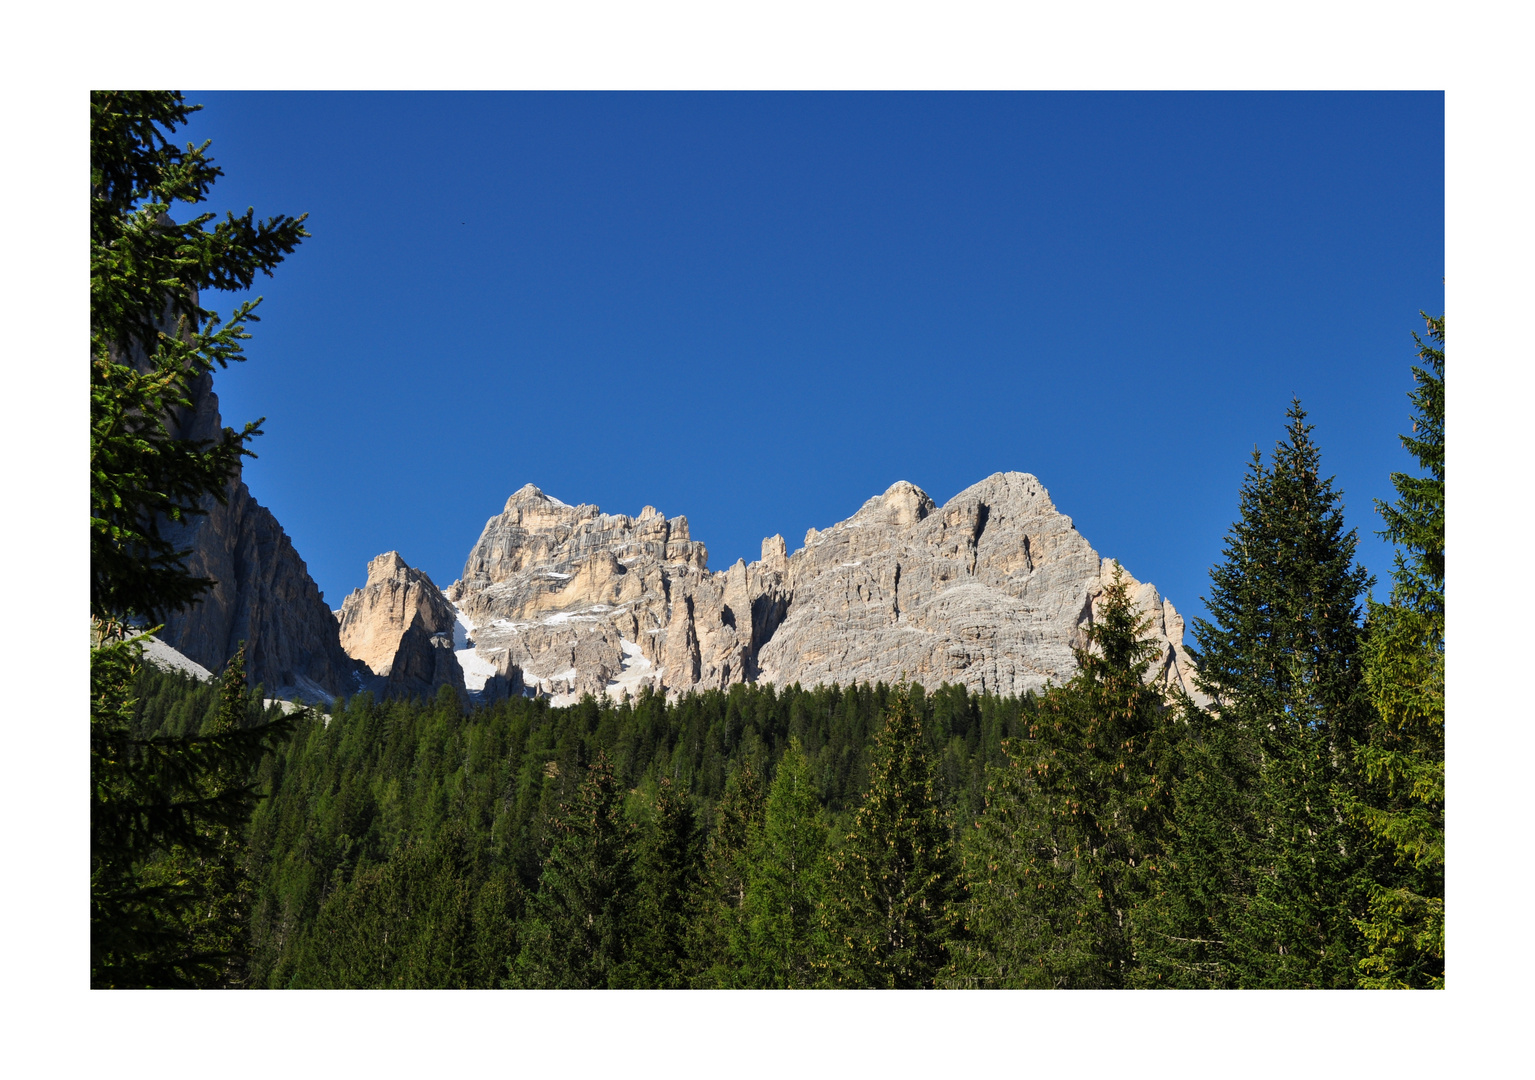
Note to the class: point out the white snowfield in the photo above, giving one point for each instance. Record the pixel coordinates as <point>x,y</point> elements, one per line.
<point>477,669</point>
<point>636,668</point>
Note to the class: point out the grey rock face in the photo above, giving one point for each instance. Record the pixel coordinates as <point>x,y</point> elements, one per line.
<point>567,600</point>
<point>263,595</point>
<point>991,590</point>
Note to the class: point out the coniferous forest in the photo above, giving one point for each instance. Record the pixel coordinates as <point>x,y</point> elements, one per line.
<point>1100,834</point>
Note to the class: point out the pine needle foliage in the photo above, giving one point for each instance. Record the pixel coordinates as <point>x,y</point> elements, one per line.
<point>723,934</point>
<point>1282,661</point>
<point>786,876</point>
<point>1402,758</point>
<point>886,918</point>
<point>669,869</point>
<point>168,813</point>
<point>1055,866</point>
<point>152,343</point>
<point>581,920</point>
<point>408,922</point>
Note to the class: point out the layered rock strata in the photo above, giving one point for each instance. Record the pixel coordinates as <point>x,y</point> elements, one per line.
<point>262,592</point>
<point>991,590</point>
<point>400,626</point>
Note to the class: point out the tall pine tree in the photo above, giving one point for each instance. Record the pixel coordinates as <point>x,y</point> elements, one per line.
<point>892,880</point>
<point>786,874</point>
<point>670,891</point>
<point>1056,865</point>
<point>217,922</point>
<point>722,934</point>
<point>1282,661</point>
<point>1402,758</point>
<point>580,921</point>
<point>152,346</point>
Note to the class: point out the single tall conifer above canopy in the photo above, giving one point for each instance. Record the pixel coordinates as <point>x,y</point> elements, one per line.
<point>1056,864</point>
<point>1281,658</point>
<point>892,880</point>
<point>581,920</point>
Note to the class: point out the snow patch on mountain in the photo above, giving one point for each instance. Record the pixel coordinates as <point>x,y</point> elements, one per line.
<point>477,670</point>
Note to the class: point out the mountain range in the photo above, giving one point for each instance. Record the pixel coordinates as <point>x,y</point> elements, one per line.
<point>991,590</point>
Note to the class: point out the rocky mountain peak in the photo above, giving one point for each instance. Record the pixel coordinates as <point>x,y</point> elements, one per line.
<point>992,590</point>
<point>391,564</point>
<point>401,627</point>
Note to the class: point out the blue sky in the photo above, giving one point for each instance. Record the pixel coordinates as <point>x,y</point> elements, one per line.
<point>758,310</point>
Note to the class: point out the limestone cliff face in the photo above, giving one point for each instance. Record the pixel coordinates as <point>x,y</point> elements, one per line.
<point>566,600</point>
<point>400,626</point>
<point>991,590</point>
<point>263,594</point>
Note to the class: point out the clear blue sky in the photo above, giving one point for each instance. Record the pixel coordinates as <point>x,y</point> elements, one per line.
<point>758,310</point>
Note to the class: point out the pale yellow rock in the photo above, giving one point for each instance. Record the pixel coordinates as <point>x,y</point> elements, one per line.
<point>375,618</point>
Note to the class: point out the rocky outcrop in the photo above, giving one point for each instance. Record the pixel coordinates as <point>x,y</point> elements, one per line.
<point>375,617</point>
<point>400,626</point>
<point>262,593</point>
<point>566,600</point>
<point>992,590</point>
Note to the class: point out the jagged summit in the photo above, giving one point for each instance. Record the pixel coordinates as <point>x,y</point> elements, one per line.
<point>401,627</point>
<point>992,590</point>
<point>531,493</point>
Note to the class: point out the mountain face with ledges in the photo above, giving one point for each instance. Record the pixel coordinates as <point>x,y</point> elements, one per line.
<point>262,594</point>
<point>992,590</point>
<point>401,627</point>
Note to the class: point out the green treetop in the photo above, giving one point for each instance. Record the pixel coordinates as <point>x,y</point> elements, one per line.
<point>1281,659</point>
<point>669,871</point>
<point>785,885</point>
<point>1402,758</point>
<point>892,880</point>
<point>581,919</point>
<point>1055,865</point>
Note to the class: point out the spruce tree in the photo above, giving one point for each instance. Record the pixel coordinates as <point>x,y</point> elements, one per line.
<point>722,939</point>
<point>152,347</point>
<point>218,920</point>
<point>580,921</point>
<point>891,882</point>
<point>167,826</point>
<point>1401,761</point>
<point>1055,866</point>
<point>152,343</point>
<point>1282,661</point>
<point>405,924</point>
<point>785,880</point>
<point>1195,888</point>
<point>669,891</point>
